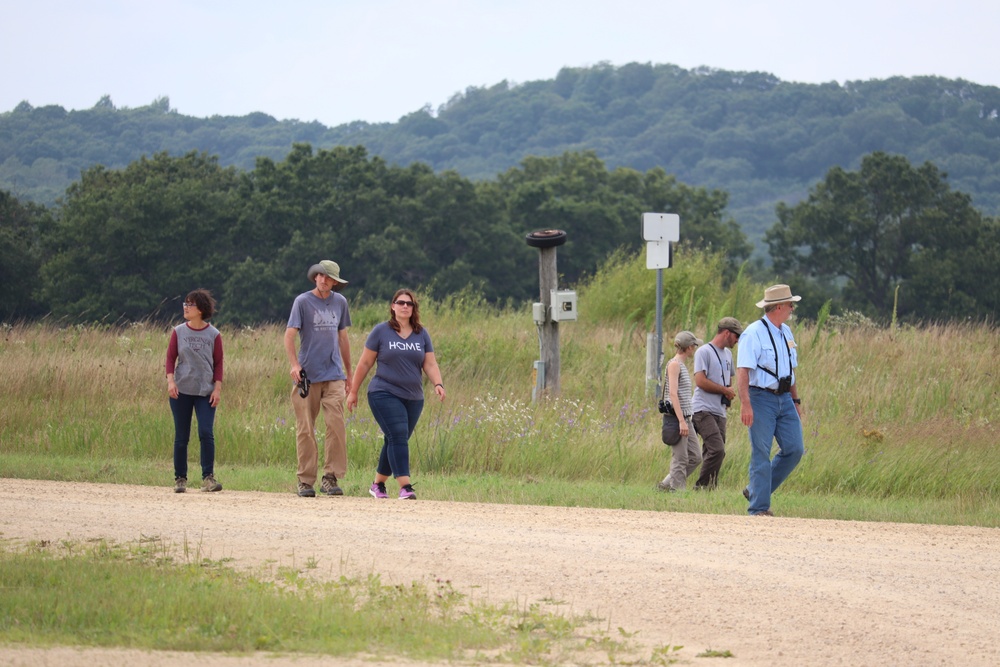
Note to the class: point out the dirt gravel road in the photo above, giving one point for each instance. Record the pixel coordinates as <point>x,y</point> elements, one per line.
<point>772,591</point>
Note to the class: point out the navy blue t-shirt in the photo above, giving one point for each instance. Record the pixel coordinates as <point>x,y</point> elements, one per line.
<point>399,362</point>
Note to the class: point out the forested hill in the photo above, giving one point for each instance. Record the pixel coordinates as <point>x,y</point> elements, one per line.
<point>760,139</point>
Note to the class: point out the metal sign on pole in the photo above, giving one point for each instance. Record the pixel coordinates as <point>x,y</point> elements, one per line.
<point>659,230</point>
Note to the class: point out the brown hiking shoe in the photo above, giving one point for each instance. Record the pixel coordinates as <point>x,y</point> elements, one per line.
<point>209,484</point>
<point>180,485</point>
<point>329,486</point>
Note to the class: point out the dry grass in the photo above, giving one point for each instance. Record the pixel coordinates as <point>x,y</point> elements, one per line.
<point>907,412</point>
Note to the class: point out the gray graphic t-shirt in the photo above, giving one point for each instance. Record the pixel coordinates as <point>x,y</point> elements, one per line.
<point>319,322</point>
<point>194,370</point>
<point>707,360</point>
<point>400,361</point>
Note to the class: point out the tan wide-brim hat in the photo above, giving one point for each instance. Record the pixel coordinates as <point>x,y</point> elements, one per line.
<point>777,294</point>
<point>328,267</point>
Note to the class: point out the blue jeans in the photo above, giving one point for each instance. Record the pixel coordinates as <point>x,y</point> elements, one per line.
<point>774,418</point>
<point>397,417</point>
<point>183,407</point>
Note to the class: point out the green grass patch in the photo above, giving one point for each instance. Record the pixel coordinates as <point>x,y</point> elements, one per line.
<point>155,596</point>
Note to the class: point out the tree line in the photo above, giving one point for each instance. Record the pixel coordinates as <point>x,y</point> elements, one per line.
<point>760,139</point>
<point>128,244</point>
<point>891,240</point>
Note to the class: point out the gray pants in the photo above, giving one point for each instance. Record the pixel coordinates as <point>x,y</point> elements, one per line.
<point>685,457</point>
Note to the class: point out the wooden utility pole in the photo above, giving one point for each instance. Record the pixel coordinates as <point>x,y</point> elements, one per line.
<point>548,328</point>
<point>548,343</point>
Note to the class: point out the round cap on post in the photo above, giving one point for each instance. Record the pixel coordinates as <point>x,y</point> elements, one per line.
<point>546,238</point>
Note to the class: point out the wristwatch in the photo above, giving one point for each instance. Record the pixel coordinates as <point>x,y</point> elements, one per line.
<point>797,401</point>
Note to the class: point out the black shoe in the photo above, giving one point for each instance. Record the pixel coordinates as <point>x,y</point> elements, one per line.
<point>746,493</point>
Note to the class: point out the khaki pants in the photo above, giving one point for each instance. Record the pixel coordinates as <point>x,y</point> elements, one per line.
<point>685,457</point>
<point>330,396</point>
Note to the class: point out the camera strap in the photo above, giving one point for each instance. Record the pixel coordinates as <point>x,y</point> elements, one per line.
<point>722,368</point>
<point>664,397</point>
<point>775,348</point>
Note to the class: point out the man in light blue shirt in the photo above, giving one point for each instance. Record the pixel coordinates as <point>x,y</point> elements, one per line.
<point>769,400</point>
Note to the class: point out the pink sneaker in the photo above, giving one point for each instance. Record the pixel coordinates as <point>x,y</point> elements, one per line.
<point>378,490</point>
<point>407,493</point>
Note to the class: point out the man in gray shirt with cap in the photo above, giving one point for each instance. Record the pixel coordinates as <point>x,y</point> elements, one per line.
<point>713,394</point>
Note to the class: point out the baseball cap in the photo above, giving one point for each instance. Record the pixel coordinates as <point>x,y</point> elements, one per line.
<point>686,339</point>
<point>731,324</point>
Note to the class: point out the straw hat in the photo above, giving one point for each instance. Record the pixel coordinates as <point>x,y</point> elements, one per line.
<point>777,294</point>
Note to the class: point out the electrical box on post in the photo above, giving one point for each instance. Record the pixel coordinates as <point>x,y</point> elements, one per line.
<point>538,313</point>
<point>563,306</point>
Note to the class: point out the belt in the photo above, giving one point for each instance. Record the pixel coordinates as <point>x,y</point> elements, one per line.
<point>770,391</point>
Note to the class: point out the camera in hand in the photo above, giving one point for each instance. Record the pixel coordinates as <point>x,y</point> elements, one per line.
<point>725,401</point>
<point>785,384</point>
<point>303,384</point>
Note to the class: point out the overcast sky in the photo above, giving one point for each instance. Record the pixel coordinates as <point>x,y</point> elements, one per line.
<point>377,60</point>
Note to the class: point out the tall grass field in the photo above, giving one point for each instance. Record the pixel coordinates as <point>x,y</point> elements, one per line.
<point>901,422</point>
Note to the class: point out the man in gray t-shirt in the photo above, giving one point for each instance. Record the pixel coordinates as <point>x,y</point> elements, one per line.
<point>713,377</point>
<point>320,318</point>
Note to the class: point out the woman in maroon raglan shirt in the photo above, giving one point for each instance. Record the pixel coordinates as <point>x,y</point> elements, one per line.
<point>194,383</point>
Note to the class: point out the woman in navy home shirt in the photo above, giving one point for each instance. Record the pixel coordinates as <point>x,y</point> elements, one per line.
<point>402,349</point>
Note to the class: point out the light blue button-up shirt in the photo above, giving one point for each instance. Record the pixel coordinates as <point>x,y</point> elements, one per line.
<point>755,349</point>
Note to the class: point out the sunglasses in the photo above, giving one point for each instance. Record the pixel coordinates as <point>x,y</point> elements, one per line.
<point>403,302</point>
<point>188,304</point>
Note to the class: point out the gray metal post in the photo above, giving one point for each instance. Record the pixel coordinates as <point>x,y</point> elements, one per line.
<point>652,365</point>
<point>659,230</point>
<point>659,329</point>
<point>538,389</point>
